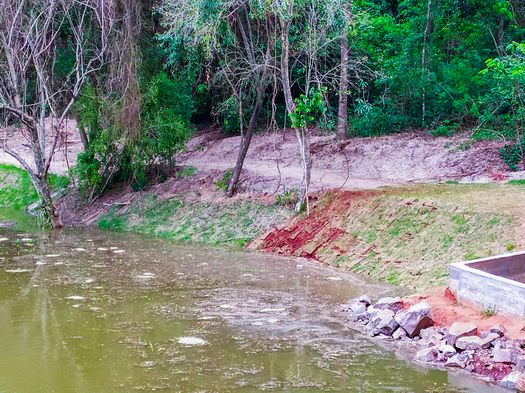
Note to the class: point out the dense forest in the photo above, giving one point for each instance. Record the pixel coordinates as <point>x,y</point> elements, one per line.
<point>141,77</point>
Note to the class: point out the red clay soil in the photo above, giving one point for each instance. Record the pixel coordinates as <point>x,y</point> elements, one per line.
<point>446,311</point>
<point>307,235</point>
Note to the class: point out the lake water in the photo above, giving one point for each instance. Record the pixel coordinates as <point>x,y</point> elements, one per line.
<point>90,311</point>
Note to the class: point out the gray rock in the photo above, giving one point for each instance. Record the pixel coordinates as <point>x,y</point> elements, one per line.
<point>502,355</point>
<point>498,329</point>
<point>511,379</point>
<point>394,304</point>
<point>475,342</point>
<point>356,308</point>
<point>384,322</point>
<point>399,334</point>
<point>520,364</point>
<point>460,360</point>
<point>447,350</point>
<point>460,329</point>
<point>415,318</point>
<point>427,355</point>
<point>428,333</point>
<point>364,299</point>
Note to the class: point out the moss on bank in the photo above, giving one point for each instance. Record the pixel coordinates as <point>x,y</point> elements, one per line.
<point>233,224</point>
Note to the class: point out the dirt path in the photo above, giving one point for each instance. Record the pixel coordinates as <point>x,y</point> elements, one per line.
<point>361,163</point>
<point>273,165</point>
<point>65,156</point>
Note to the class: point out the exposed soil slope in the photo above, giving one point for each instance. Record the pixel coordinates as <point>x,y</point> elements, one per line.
<point>360,163</point>
<point>406,235</point>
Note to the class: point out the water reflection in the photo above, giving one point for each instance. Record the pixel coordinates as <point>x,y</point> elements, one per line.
<point>87,311</point>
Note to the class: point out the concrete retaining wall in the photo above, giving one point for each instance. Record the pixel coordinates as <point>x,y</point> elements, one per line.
<point>490,283</point>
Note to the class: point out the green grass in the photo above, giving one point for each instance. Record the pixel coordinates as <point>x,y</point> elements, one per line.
<point>409,235</point>
<point>233,224</point>
<point>17,193</point>
<point>187,171</point>
<point>517,182</point>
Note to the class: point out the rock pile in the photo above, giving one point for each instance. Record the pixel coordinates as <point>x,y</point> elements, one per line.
<point>489,354</point>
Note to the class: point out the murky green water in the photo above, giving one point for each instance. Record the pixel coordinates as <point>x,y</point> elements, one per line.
<point>89,311</point>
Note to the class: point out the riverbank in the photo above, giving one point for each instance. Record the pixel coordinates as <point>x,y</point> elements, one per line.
<point>405,235</point>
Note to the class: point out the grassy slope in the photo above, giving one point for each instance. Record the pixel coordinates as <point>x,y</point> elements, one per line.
<point>408,235</point>
<point>17,193</point>
<point>234,224</point>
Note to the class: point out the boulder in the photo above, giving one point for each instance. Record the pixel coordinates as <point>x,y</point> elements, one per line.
<point>384,323</point>
<point>415,318</point>
<point>356,308</point>
<point>365,316</point>
<point>394,304</point>
<point>459,360</point>
<point>427,355</point>
<point>460,329</point>
<point>399,334</point>
<point>427,333</point>
<point>501,355</point>
<point>511,380</point>
<point>475,342</point>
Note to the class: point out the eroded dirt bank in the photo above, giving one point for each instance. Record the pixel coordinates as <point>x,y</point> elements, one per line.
<point>406,235</point>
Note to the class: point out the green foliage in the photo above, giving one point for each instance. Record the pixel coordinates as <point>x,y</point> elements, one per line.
<point>17,191</point>
<point>187,171</point>
<point>112,220</point>
<point>228,224</point>
<point>446,128</point>
<point>167,106</point>
<point>287,198</point>
<point>512,154</point>
<point>166,109</point>
<point>222,184</point>
<point>371,120</point>
<point>308,109</point>
<point>517,182</point>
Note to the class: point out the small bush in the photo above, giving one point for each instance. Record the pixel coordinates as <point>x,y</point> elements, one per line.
<point>446,128</point>
<point>223,183</point>
<point>187,171</point>
<point>371,120</point>
<point>511,154</point>
<point>287,198</point>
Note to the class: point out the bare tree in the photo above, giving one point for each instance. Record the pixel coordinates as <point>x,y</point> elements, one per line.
<point>37,90</point>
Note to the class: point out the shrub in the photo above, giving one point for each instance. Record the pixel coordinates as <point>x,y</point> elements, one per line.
<point>223,183</point>
<point>512,155</point>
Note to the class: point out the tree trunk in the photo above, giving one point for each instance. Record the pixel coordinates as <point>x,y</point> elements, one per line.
<point>306,163</point>
<point>40,182</point>
<point>247,137</point>
<point>83,136</point>
<point>342,114</point>
<point>424,65</point>
<point>47,205</point>
<point>301,133</point>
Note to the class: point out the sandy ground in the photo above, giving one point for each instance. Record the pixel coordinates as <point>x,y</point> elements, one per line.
<point>69,146</point>
<point>446,311</point>
<point>273,162</point>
